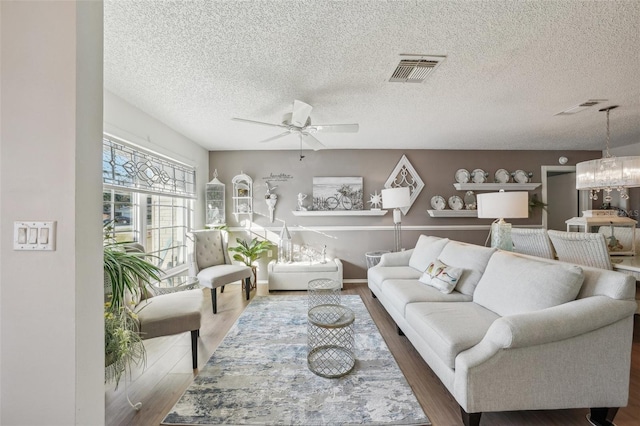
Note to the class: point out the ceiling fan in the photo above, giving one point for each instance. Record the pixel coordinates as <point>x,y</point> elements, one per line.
<point>299,122</point>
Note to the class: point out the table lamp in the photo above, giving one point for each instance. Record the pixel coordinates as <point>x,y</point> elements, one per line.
<point>396,198</point>
<point>500,206</point>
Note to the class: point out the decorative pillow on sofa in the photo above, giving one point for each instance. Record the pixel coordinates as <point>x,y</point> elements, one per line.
<point>426,251</point>
<point>441,276</point>
<point>512,284</point>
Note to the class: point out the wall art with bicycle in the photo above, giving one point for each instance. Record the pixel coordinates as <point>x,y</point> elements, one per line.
<point>338,193</point>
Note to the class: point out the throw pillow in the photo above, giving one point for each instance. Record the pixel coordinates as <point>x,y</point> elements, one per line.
<point>441,276</point>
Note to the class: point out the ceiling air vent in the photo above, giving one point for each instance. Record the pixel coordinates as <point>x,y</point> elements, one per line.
<point>579,108</point>
<point>415,68</point>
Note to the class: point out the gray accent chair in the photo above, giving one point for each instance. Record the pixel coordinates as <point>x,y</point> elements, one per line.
<point>167,314</point>
<point>209,261</point>
<point>589,249</point>
<point>532,241</point>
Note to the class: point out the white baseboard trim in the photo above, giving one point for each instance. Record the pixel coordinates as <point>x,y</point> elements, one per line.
<point>354,280</point>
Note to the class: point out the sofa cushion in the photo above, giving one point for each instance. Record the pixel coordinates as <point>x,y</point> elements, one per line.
<point>450,328</point>
<point>441,277</point>
<point>426,251</point>
<point>402,292</point>
<point>473,259</point>
<point>170,313</point>
<point>514,284</point>
<point>377,275</point>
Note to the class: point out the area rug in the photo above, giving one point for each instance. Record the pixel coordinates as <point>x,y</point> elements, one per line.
<point>259,375</point>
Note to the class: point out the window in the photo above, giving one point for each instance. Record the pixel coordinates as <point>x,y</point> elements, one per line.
<point>148,199</point>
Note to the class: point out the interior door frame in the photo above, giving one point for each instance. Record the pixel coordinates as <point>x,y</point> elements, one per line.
<point>584,202</point>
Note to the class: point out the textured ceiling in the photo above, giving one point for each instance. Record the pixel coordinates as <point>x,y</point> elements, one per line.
<point>510,67</point>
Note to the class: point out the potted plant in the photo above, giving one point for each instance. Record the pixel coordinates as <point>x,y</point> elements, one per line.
<point>248,253</point>
<point>124,269</point>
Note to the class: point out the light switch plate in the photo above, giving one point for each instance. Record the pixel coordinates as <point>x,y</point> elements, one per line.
<point>28,235</point>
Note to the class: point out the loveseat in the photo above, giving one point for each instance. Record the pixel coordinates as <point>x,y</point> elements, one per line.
<point>506,331</point>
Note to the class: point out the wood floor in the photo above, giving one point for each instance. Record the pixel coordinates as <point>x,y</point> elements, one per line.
<point>168,372</point>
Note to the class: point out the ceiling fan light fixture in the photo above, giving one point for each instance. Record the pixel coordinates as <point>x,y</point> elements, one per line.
<point>415,68</point>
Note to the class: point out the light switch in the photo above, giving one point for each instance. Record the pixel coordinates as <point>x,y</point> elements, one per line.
<point>22,235</point>
<point>29,235</point>
<point>43,238</point>
<point>33,236</point>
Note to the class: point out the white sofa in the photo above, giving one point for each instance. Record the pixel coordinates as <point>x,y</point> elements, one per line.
<point>517,332</point>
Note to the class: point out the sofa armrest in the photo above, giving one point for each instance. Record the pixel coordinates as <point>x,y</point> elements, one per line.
<point>584,344</point>
<point>398,258</point>
<point>559,322</point>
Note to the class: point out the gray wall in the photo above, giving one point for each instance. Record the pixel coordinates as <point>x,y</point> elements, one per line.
<point>349,238</point>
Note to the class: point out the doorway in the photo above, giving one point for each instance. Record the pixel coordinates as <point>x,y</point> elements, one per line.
<point>560,195</point>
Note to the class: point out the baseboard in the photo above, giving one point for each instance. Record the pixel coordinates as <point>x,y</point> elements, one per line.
<point>354,280</point>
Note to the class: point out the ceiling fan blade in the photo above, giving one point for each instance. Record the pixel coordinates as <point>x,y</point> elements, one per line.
<point>244,120</point>
<point>336,128</point>
<point>281,135</point>
<point>313,143</point>
<point>301,112</point>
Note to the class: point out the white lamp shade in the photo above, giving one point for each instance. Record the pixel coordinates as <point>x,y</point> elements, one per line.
<point>612,172</point>
<point>393,198</point>
<point>503,205</point>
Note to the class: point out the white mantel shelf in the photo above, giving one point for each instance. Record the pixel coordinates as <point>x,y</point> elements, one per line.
<point>339,212</point>
<point>453,213</point>
<point>496,186</point>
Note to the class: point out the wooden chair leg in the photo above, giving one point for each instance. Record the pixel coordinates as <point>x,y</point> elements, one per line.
<point>247,286</point>
<point>214,301</point>
<point>602,416</point>
<point>470,419</point>
<point>194,347</point>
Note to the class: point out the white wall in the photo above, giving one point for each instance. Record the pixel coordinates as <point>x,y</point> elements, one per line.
<point>628,150</point>
<point>125,121</point>
<point>52,340</point>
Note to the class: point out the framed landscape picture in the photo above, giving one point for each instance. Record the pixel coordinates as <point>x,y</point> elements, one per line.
<point>337,193</point>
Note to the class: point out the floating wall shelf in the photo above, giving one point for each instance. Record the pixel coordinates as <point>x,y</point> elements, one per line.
<point>339,213</point>
<point>496,186</point>
<point>453,213</point>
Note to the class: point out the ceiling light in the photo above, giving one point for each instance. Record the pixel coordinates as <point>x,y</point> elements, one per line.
<point>608,173</point>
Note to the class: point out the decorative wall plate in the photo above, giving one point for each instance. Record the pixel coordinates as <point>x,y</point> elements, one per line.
<point>405,175</point>
<point>455,203</point>
<point>520,176</point>
<point>470,200</point>
<point>502,176</point>
<point>479,176</point>
<point>462,176</point>
<point>438,203</point>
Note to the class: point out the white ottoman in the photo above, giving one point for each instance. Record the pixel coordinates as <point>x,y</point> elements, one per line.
<point>296,275</point>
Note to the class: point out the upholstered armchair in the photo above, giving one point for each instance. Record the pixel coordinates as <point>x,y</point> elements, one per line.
<point>209,261</point>
<point>167,314</point>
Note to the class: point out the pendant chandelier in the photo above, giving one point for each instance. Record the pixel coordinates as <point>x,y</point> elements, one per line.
<point>608,173</point>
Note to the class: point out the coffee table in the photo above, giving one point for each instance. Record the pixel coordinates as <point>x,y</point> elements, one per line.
<point>173,284</point>
<point>330,340</point>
